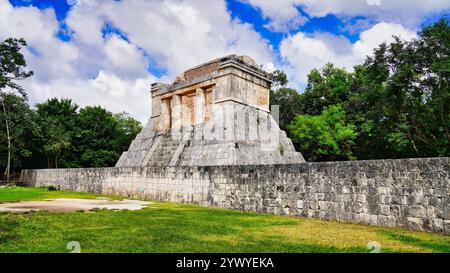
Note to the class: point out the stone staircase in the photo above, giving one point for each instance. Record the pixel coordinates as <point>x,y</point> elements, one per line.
<point>164,153</point>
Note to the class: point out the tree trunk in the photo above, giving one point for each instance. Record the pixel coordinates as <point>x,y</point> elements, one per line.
<point>8,165</point>
<point>51,161</point>
<point>56,161</point>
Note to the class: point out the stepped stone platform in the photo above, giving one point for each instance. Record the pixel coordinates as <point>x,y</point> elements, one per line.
<point>216,113</point>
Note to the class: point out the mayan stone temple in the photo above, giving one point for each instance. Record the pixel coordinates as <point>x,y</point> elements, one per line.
<point>216,113</point>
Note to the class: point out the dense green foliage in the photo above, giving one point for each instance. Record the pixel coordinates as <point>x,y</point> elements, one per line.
<point>166,227</point>
<point>57,133</point>
<point>325,136</point>
<point>56,119</point>
<point>395,105</point>
<point>100,137</point>
<point>289,101</point>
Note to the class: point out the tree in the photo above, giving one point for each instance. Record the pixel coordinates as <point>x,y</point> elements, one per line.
<point>288,99</point>
<point>325,137</point>
<point>87,137</point>
<point>290,105</point>
<point>327,86</point>
<point>404,95</point>
<point>25,130</point>
<point>12,64</point>
<point>56,118</point>
<point>100,137</point>
<point>95,137</point>
<point>127,128</point>
<point>279,79</point>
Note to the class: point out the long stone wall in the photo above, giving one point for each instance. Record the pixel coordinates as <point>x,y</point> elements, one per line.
<point>409,193</point>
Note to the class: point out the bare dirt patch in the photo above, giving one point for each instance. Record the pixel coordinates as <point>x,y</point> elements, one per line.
<point>72,204</point>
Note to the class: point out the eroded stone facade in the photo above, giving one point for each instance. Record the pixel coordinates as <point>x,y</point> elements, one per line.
<point>216,113</point>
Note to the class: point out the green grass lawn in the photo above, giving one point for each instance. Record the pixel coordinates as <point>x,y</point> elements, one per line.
<point>167,227</point>
<point>15,194</point>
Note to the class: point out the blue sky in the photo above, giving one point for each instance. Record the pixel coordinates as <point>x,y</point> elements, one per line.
<point>108,52</point>
<point>247,13</point>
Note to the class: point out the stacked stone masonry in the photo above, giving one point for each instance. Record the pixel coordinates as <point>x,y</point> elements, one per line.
<point>408,193</point>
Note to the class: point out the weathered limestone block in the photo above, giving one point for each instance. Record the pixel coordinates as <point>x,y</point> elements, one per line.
<point>417,211</point>
<point>415,223</point>
<point>385,210</point>
<point>447,227</point>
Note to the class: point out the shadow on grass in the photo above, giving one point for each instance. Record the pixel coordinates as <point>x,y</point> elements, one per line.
<point>8,229</point>
<point>433,244</point>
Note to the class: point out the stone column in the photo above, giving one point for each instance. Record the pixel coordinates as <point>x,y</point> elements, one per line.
<point>199,106</point>
<point>166,114</point>
<point>156,113</point>
<point>176,114</point>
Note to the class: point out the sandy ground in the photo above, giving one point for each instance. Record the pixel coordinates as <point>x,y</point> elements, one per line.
<point>72,204</point>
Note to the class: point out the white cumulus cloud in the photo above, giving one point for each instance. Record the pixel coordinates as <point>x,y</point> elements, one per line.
<point>106,89</point>
<point>176,34</point>
<point>283,15</point>
<point>302,52</point>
